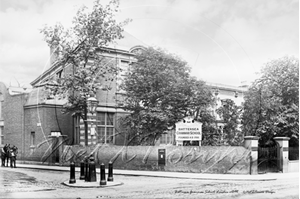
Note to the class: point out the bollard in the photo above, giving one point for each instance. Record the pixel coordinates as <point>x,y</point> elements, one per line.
<point>87,173</point>
<point>92,170</point>
<point>82,170</point>
<point>102,174</point>
<point>110,172</point>
<point>72,173</point>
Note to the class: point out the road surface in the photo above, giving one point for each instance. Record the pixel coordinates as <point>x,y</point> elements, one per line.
<point>34,183</point>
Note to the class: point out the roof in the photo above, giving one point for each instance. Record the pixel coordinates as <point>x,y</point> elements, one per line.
<point>129,41</point>
<point>121,46</point>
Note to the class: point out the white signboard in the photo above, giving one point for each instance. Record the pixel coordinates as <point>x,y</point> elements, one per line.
<point>188,130</point>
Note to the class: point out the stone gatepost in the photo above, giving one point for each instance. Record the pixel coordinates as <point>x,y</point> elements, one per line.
<point>283,153</point>
<point>251,143</point>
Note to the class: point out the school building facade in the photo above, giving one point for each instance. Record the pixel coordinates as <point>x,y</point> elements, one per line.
<point>32,121</point>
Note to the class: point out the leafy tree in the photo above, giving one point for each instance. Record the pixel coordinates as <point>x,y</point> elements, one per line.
<point>271,105</point>
<point>160,92</point>
<point>230,114</point>
<point>210,133</point>
<point>79,50</point>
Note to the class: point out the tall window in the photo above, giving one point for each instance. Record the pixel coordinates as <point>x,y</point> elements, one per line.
<point>1,136</point>
<point>123,68</point>
<point>105,128</point>
<point>76,121</point>
<point>32,138</point>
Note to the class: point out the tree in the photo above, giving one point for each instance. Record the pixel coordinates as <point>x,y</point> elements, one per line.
<point>271,105</point>
<point>79,48</point>
<point>230,114</point>
<point>160,92</point>
<point>210,133</point>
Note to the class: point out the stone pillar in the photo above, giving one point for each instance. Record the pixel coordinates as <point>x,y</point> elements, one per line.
<point>283,153</point>
<point>251,143</point>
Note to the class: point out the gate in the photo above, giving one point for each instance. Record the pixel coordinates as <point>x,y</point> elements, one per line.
<point>267,159</point>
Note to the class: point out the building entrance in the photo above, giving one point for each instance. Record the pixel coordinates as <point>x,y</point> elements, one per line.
<point>268,159</point>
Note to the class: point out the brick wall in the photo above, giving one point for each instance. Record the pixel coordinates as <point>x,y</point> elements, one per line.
<point>206,159</point>
<point>3,94</point>
<point>42,120</point>
<point>13,115</point>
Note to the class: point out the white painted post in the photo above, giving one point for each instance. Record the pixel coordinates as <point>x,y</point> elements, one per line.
<point>251,143</point>
<point>283,153</point>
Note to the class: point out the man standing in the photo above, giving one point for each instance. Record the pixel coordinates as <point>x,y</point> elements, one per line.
<point>13,156</point>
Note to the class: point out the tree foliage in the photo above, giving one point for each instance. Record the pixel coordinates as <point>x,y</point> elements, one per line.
<point>159,92</point>
<point>230,114</point>
<point>210,133</point>
<point>78,49</point>
<point>272,103</point>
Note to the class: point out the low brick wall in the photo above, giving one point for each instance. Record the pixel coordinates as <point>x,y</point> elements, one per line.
<point>222,160</point>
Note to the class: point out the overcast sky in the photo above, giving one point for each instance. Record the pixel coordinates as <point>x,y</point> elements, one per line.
<point>224,41</point>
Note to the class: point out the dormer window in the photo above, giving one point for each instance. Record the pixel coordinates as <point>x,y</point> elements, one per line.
<point>137,49</point>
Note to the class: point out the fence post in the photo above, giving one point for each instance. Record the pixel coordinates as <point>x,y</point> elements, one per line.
<point>72,173</point>
<point>251,143</point>
<point>87,173</point>
<point>92,170</point>
<point>82,170</point>
<point>110,172</point>
<point>283,153</point>
<point>102,174</point>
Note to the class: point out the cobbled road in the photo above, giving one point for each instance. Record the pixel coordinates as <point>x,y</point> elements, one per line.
<point>33,183</point>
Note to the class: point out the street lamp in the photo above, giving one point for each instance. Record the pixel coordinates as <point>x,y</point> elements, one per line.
<point>92,104</point>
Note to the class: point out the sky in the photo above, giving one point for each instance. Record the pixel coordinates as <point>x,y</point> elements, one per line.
<point>223,41</point>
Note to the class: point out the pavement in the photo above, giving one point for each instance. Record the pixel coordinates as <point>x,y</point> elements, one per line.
<point>83,184</point>
<point>166,174</point>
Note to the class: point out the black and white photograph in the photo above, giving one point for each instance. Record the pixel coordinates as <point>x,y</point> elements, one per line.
<point>149,99</point>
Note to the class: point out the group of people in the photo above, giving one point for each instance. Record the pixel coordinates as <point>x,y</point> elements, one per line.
<point>9,153</point>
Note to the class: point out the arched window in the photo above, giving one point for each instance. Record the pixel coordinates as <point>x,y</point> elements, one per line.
<point>137,49</point>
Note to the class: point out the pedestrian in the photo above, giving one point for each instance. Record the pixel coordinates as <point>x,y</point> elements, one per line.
<point>13,156</point>
<point>4,154</point>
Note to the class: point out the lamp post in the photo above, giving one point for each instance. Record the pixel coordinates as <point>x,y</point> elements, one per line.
<point>92,104</point>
